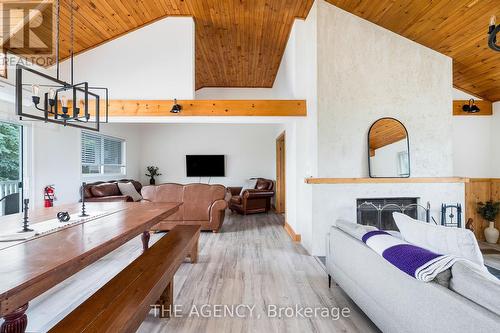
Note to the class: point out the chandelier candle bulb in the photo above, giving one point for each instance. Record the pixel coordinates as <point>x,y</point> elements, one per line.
<point>52,93</point>
<point>35,89</point>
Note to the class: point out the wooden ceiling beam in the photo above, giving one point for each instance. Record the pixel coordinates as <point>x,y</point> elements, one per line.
<point>232,108</point>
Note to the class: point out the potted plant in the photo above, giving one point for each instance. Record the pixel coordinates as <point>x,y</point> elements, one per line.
<point>489,212</point>
<point>153,172</point>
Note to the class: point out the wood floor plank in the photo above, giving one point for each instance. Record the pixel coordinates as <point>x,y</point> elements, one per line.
<point>251,261</point>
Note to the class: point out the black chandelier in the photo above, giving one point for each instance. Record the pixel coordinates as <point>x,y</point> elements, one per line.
<point>492,34</point>
<point>68,104</point>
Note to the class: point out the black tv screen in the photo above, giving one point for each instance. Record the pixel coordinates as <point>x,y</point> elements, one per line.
<point>205,165</point>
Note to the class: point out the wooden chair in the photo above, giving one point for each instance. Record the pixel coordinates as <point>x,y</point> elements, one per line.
<point>123,303</point>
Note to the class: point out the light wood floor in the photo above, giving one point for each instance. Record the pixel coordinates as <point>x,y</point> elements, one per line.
<point>252,262</point>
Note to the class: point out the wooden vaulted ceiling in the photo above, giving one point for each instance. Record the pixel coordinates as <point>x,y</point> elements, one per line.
<point>239,43</point>
<point>457,28</point>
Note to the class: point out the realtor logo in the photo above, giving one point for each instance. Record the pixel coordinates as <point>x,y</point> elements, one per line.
<point>27,26</point>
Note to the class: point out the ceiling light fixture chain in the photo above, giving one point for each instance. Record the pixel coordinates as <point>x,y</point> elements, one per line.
<point>72,32</point>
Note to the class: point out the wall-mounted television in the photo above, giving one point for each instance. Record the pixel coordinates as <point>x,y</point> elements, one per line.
<point>205,165</point>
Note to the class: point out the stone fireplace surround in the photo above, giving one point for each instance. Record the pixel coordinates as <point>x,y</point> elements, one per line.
<point>334,200</point>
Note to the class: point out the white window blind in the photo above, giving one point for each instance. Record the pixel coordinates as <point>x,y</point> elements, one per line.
<point>102,154</point>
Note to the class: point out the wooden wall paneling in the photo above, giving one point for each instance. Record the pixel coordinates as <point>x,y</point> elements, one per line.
<point>477,190</point>
<point>442,26</point>
<point>485,107</point>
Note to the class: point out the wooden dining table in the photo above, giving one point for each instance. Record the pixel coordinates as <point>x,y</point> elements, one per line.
<point>30,267</point>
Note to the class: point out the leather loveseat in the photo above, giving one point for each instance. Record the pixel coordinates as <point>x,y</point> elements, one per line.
<point>251,201</point>
<point>202,204</point>
<point>108,191</point>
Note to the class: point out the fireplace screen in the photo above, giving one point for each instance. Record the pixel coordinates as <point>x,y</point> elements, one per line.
<point>378,212</point>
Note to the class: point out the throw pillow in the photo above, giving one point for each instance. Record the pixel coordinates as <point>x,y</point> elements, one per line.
<point>249,185</point>
<point>440,239</point>
<point>129,189</point>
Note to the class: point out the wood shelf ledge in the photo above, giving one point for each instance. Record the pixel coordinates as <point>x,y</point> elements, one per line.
<point>429,180</point>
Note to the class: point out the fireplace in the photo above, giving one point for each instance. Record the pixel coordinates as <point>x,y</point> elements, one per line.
<point>377,212</point>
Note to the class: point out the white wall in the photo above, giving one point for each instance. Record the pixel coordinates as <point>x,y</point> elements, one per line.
<point>56,159</point>
<point>154,62</point>
<point>472,143</point>
<point>250,150</point>
<point>296,79</point>
<point>494,156</point>
<point>52,155</point>
<point>367,72</point>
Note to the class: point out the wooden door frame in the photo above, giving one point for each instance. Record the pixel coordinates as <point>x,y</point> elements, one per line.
<point>281,176</point>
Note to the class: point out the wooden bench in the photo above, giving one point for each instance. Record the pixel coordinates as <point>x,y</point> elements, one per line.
<point>123,303</point>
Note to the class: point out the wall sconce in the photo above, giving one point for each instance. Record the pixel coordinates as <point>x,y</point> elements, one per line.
<point>471,107</point>
<point>176,108</point>
<point>493,30</point>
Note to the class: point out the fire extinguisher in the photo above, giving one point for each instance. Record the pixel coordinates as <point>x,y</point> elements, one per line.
<point>49,196</point>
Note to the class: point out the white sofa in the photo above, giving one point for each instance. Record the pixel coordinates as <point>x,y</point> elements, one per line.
<point>396,302</point>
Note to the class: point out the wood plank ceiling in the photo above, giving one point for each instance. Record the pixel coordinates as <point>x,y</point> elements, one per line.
<point>457,28</point>
<point>239,43</point>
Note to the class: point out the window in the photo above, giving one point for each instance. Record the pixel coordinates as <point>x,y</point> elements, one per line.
<point>102,155</point>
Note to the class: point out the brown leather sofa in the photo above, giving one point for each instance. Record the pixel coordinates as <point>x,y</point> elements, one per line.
<point>203,204</point>
<point>108,191</point>
<point>252,201</point>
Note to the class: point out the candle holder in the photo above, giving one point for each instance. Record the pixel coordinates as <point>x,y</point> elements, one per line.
<point>25,218</point>
<point>82,199</point>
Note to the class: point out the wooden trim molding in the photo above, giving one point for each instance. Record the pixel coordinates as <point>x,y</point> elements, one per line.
<point>486,108</point>
<point>289,230</point>
<point>385,180</point>
<point>161,108</point>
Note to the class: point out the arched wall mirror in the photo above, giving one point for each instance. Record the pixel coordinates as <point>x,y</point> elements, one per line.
<point>388,149</point>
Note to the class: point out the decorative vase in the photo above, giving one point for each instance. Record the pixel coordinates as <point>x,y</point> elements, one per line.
<point>491,233</point>
<point>152,181</point>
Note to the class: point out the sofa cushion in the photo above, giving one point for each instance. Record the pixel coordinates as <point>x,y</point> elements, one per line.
<point>440,239</point>
<point>130,190</point>
<point>249,185</point>
<point>471,281</point>
<point>166,193</point>
<point>105,190</point>
<point>198,198</point>
<point>355,230</point>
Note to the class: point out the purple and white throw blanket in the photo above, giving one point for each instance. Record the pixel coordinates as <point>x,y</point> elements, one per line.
<point>415,261</point>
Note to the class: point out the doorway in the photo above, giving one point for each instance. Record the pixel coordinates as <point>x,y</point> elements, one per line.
<point>280,173</point>
<point>11,168</point>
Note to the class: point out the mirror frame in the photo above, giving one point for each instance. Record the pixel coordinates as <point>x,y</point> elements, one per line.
<point>407,143</point>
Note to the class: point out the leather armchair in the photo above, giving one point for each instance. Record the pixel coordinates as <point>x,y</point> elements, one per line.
<point>252,201</point>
